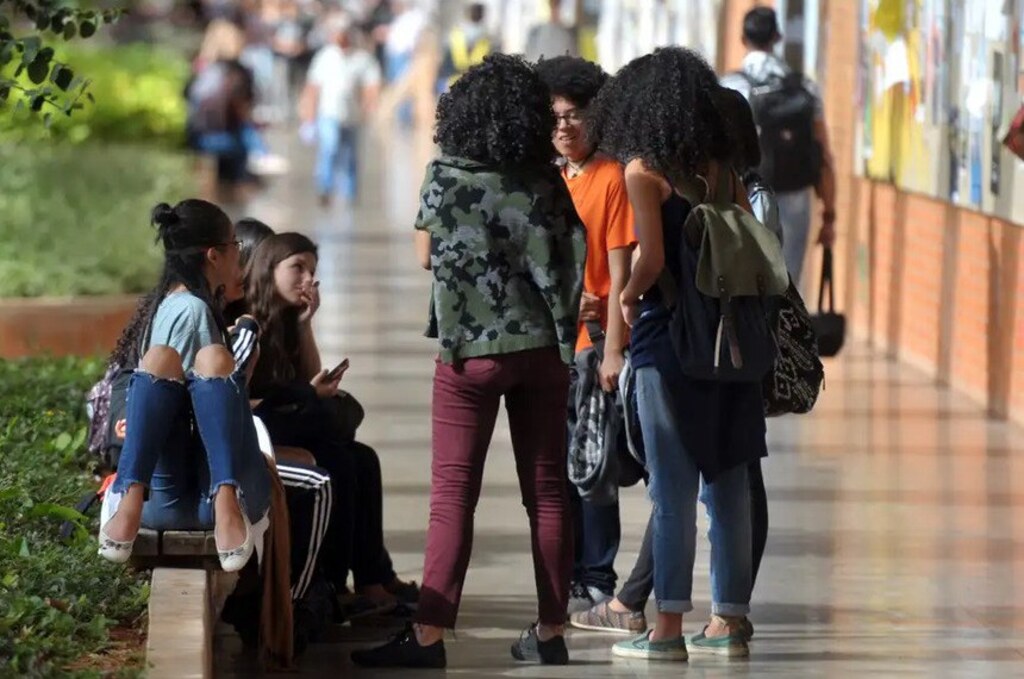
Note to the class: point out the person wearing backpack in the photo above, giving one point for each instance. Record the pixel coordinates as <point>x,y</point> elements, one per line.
<point>598,190</point>
<point>796,156</point>
<point>693,428</point>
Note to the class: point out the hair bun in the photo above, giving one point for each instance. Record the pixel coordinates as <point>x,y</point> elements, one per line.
<point>164,216</point>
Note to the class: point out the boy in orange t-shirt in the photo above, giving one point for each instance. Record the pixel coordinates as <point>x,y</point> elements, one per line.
<point>598,189</point>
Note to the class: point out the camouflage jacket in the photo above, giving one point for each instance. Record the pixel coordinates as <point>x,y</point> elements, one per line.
<point>507,255</point>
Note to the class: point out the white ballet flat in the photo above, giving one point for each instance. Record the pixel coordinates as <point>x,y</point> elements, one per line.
<point>115,551</point>
<point>232,560</point>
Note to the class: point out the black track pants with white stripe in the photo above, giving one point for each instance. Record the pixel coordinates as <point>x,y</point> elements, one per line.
<point>309,494</point>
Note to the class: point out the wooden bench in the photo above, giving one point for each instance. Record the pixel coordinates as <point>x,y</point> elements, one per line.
<point>185,592</point>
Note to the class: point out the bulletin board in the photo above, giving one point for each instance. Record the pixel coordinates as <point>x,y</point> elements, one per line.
<point>940,81</point>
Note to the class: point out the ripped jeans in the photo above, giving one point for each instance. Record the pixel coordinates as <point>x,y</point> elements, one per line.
<point>183,442</point>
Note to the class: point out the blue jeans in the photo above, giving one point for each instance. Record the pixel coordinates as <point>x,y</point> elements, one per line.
<point>795,216</point>
<point>232,150</point>
<point>598,534</point>
<point>674,482</point>
<point>336,160</point>
<point>183,471</point>
<point>395,66</point>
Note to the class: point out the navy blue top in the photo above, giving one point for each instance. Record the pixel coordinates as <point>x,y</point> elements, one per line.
<point>654,316</point>
<point>722,424</point>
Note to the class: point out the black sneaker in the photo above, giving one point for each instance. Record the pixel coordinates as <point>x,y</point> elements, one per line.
<point>407,592</point>
<point>403,651</point>
<point>529,648</point>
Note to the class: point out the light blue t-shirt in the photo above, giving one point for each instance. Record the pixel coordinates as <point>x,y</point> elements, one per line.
<point>186,324</point>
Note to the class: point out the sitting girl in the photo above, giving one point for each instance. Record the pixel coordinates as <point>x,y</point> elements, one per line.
<point>191,458</point>
<point>301,405</point>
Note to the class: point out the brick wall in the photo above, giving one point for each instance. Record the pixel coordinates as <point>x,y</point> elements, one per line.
<point>929,283</point>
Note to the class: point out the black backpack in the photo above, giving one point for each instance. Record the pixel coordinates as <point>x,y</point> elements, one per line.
<point>785,110</point>
<point>106,405</point>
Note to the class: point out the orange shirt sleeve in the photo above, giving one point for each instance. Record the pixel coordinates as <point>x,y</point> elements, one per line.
<point>620,232</point>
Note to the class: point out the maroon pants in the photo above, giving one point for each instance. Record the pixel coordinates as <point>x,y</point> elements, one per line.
<point>535,386</point>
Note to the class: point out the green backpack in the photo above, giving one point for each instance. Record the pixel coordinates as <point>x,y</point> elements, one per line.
<point>731,265</point>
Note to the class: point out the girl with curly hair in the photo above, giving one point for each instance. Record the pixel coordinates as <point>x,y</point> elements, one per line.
<point>598,190</point>
<point>498,231</point>
<point>658,116</point>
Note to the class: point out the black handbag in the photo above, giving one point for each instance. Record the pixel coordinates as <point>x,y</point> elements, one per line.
<point>793,384</point>
<point>829,326</point>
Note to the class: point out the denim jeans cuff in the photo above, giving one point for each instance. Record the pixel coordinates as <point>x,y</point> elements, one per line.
<point>732,610</point>
<point>228,482</point>
<point>122,483</point>
<point>670,606</point>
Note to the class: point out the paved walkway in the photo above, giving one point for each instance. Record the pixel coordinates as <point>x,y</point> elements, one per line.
<point>897,509</point>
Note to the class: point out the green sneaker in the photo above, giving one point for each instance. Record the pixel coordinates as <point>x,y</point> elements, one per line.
<point>732,646</point>
<point>643,647</point>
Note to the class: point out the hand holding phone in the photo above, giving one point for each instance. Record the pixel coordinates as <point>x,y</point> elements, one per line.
<point>338,371</point>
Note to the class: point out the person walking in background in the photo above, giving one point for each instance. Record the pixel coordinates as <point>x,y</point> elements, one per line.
<point>499,233</point>
<point>551,38</point>
<point>468,44</point>
<point>796,155</point>
<point>341,90</point>
<point>598,191</point>
<point>404,36</point>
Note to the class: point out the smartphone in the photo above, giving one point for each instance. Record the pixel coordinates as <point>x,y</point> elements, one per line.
<point>338,370</point>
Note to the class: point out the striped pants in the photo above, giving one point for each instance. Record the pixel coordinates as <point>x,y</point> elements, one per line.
<point>310,500</point>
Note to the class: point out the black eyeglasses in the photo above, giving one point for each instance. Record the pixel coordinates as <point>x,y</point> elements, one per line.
<point>573,117</point>
<point>230,242</point>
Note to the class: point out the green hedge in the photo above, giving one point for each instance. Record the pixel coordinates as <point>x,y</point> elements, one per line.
<point>75,219</point>
<point>138,91</point>
<point>58,600</point>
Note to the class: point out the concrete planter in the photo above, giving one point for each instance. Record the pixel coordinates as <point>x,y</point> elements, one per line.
<point>63,326</point>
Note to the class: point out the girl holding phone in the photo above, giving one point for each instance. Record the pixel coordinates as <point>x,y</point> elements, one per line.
<point>301,406</point>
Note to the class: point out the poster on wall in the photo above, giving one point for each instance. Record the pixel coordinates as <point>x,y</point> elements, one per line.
<point>941,80</point>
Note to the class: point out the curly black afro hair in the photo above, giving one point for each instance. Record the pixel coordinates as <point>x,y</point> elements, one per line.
<point>661,109</point>
<point>498,113</point>
<point>740,119</point>
<point>573,78</point>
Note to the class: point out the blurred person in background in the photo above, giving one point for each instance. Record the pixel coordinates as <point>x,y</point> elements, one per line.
<point>551,38</point>
<point>376,23</point>
<point>342,88</point>
<point>468,43</point>
<point>403,38</point>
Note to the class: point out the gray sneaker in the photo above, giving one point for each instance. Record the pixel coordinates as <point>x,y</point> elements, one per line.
<point>601,618</point>
<point>583,598</point>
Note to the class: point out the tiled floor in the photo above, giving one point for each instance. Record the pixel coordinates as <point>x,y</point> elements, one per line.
<point>897,510</point>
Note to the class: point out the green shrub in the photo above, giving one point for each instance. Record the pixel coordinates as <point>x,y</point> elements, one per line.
<point>138,91</point>
<point>58,600</point>
<point>75,220</point>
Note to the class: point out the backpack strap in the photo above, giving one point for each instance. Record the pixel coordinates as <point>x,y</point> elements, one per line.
<point>597,337</point>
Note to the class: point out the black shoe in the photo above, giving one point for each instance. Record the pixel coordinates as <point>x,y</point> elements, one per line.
<point>407,592</point>
<point>529,648</point>
<point>403,651</point>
